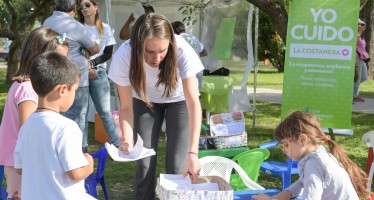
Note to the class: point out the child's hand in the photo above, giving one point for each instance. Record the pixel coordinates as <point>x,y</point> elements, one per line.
<point>261,196</point>
<point>89,159</point>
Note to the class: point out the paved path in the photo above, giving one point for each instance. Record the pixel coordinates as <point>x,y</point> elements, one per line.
<point>275,96</point>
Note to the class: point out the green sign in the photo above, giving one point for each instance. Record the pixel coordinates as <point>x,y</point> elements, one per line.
<point>320,60</point>
<point>223,42</point>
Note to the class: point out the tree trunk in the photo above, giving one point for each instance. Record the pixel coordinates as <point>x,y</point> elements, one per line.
<point>277,13</point>
<point>367,14</point>
<point>13,61</point>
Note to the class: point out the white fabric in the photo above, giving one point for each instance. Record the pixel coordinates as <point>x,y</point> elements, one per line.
<point>49,146</point>
<point>189,64</point>
<point>106,39</point>
<point>194,42</point>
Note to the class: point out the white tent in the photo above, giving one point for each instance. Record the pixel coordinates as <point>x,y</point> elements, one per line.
<point>209,15</point>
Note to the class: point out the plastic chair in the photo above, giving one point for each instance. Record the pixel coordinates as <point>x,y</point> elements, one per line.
<point>276,168</point>
<point>94,179</point>
<point>368,139</point>
<point>4,194</point>
<point>222,167</point>
<point>250,161</point>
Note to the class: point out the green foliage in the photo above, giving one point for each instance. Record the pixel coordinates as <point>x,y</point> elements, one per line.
<point>190,12</point>
<point>270,44</point>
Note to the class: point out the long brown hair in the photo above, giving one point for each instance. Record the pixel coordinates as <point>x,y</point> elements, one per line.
<point>98,23</point>
<point>300,122</point>
<point>153,26</point>
<point>38,41</point>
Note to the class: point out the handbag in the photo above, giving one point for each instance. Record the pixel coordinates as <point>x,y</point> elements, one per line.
<point>366,60</point>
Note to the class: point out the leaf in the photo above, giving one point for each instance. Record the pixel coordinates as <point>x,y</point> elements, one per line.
<point>184,12</point>
<point>184,19</point>
<point>180,8</point>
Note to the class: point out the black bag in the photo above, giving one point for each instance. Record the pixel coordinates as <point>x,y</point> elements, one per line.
<point>220,72</point>
<point>366,60</point>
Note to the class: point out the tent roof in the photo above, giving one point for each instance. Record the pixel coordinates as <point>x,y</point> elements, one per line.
<point>171,2</point>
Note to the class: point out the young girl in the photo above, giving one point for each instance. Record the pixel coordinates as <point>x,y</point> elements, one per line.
<point>21,100</point>
<point>323,174</point>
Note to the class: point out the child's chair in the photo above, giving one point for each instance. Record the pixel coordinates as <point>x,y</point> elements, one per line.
<point>250,161</point>
<point>4,194</point>
<point>368,139</point>
<point>94,179</point>
<point>222,167</point>
<point>281,169</point>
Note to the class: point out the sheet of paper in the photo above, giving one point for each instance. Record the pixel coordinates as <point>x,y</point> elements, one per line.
<point>205,186</point>
<point>139,152</point>
<point>175,182</point>
<point>232,128</point>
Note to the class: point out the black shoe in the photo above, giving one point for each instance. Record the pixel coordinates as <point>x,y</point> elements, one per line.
<point>84,149</point>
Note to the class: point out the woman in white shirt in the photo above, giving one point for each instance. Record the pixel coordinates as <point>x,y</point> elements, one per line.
<point>155,72</point>
<point>98,81</point>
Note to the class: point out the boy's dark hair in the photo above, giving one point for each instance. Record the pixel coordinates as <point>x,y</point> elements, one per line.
<point>52,69</point>
<point>148,8</point>
<point>65,5</point>
<point>178,27</point>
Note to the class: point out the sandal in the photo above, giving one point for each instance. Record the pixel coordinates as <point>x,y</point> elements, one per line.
<point>358,99</point>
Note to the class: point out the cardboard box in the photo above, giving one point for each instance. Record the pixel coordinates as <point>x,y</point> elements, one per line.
<point>228,130</point>
<point>225,191</point>
<point>100,133</point>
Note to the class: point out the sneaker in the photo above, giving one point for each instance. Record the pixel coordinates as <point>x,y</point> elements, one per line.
<point>358,99</point>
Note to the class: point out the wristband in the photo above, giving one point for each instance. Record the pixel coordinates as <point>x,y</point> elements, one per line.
<point>191,152</point>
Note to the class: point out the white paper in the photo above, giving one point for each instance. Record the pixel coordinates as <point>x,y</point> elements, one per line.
<point>205,186</point>
<point>178,182</point>
<point>138,152</point>
<point>175,182</point>
<point>233,128</point>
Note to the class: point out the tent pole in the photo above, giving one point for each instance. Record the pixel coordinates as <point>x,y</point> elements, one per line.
<point>255,68</point>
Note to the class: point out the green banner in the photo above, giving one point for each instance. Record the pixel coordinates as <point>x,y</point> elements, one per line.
<point>320,60</point>
<point>223,42</point>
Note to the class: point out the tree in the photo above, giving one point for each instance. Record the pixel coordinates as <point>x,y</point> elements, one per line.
<point>19,18</point>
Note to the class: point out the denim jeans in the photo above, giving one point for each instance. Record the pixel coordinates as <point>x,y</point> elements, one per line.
<point>100,95</point>
<point>78,111</point>
<point>363,76</point>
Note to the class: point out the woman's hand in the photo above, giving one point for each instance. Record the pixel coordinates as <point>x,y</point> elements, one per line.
<point>261,196</point>
<point>92,74</point>
<point>192,167</point>
<point>126,146</point>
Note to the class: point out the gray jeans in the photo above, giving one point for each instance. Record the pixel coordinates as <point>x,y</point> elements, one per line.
<point>148,122</point>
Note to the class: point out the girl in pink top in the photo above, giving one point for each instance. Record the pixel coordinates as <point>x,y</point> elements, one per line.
<point>21,100</point>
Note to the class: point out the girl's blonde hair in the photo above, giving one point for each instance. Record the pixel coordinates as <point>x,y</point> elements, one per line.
<point>299,122</point>
<point>153,26</point>
<point>98,23</point>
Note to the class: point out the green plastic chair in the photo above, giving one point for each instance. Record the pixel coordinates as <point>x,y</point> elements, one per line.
<point>250,161</point>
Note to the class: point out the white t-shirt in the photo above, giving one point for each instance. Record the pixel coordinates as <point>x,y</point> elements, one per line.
<point>50,145</point>
<point>189,64</point>
<point>106,39</point>
<point>194,42</point>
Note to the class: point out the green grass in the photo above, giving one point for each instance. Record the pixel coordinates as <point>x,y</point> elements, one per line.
<point>119,176</point>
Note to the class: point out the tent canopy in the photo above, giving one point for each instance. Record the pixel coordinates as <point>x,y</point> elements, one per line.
<point>209,18</point>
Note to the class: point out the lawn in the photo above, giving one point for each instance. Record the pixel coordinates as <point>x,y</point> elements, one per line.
<point>120,176</point>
